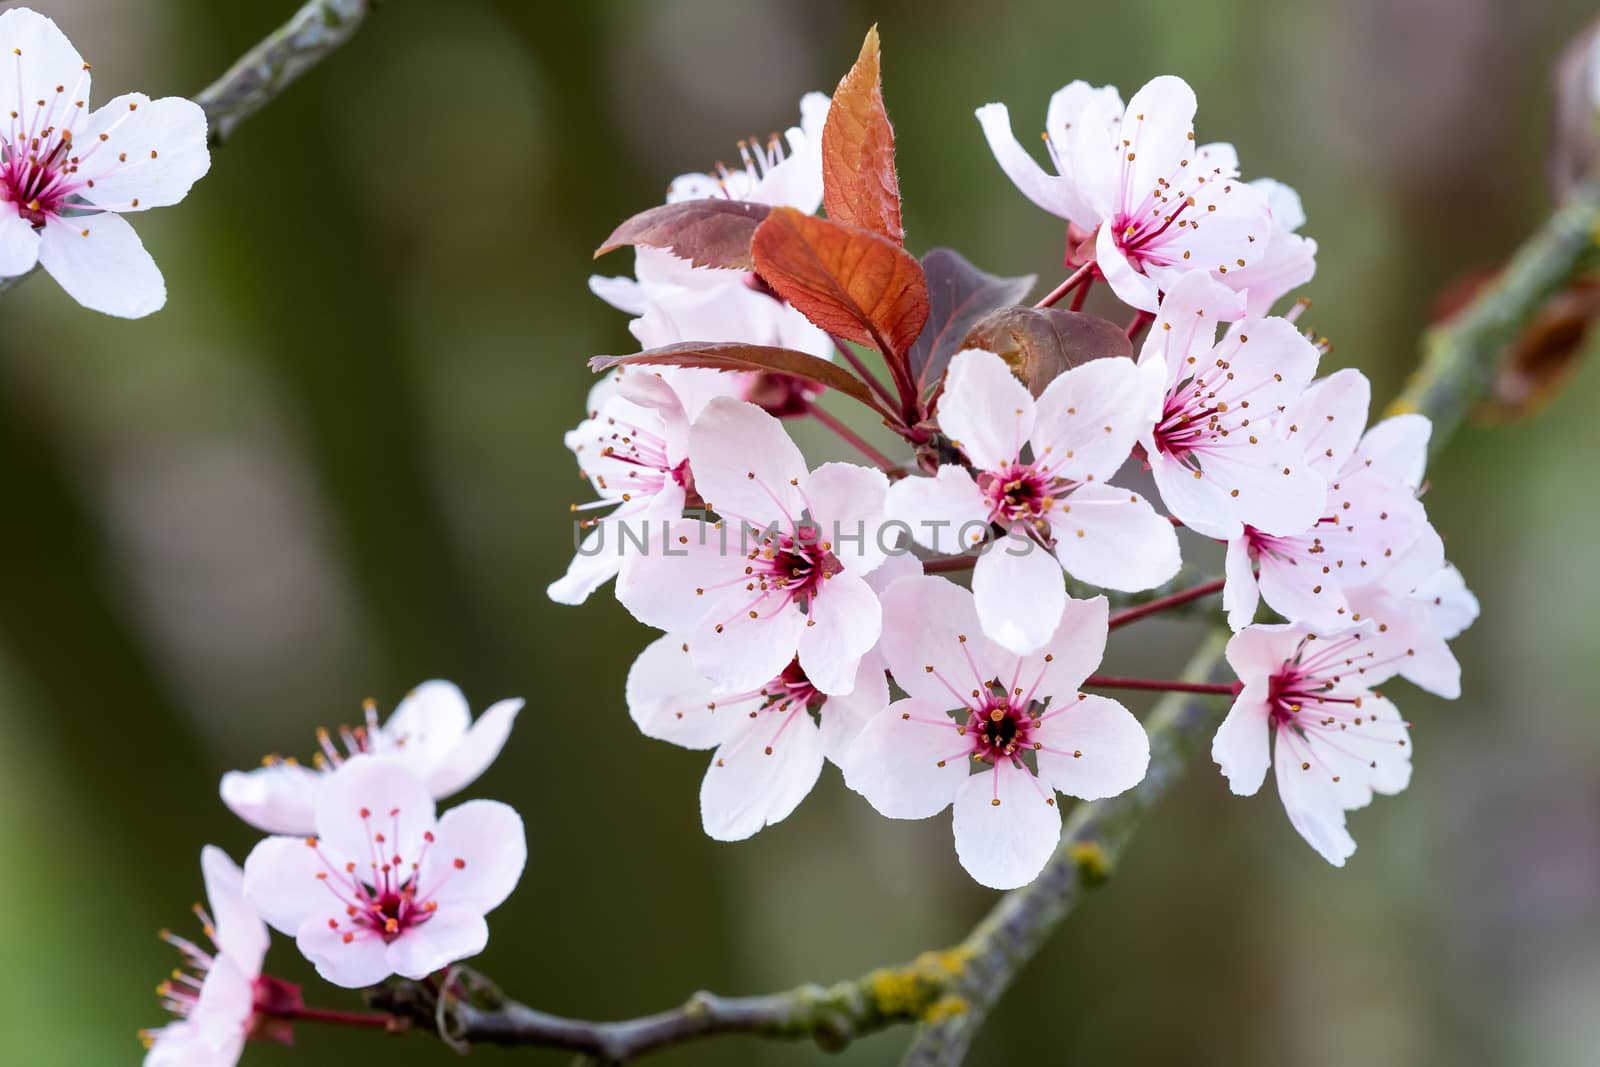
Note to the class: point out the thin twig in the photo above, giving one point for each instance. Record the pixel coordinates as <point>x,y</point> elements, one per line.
<point>1081,276</point>
<point>1165,603</point>
<point>850,437</point>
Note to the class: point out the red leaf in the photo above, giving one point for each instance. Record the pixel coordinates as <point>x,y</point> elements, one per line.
<point>848,281</point>
<point>1039,343</point>
<point>732,356</point>
<point>859,184</point>
<point>708,233</point>
<point>959,296</point>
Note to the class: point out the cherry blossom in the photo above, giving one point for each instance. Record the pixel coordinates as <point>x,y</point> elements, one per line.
<point>384,887</point>
<point>217,993</point>
<point>634,450</point>
<point>990,733</point>
<point>1335,741</point>
<point>1213,451</point>
<point>68,175</point>
<point>1370,516</point>
<point>1041,469</point>
<point>782,575</point>
<point>771,741</point>
<point>1289,259</point>
<point>431,733</point>
<point>673,301</point>
<point>1160,207</point>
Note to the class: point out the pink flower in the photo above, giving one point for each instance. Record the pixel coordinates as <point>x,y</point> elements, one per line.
<point>68,175</point>
<point>217,993</point>
<point>1370,517</point>
<point>782,575</point>
<point>1213,450</point>
<point>1041,470</point>
<point>1336,741</point>
<point>771,740</point>
<point>385,888</point>
<point>1019,720</point>
<point>431,733</point>
<point>674,301</point>
<point>1289,260</point>
<point>1160,206</point>
<point>634,450</point>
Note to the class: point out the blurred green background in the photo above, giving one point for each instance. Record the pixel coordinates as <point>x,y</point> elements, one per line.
<point>332,468</point>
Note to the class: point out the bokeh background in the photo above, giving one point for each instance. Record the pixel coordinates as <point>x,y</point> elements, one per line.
<point>332,468</point>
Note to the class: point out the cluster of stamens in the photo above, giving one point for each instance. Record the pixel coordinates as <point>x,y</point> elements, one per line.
<point>386,899</point>
<point>1308,697</point>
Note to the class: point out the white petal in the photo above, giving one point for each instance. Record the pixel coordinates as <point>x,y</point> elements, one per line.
<point>1113,538</point>
<point>436,944</point>
<point>1186,326</point>
<point>846,502</point>
<point>1259,650</point>
<point>929,621</point>
<point>1242,595</point>
<point>624,294</point>
<point>394,799</point>
<point>1071,654</point>
<point>844,623</point>
<point>428,723</point>
<point>908,761</point>
<point>760,774</point>
<point>1397,448</point>
<point>1006,825</point>
<point>476,859</point>
<point>468,760</point>
<point>1451,605</point>
<point>1312,803</point>
<point>35,57</point>
<point>152,154</point>
<point>1240,745</point>
<point>1288,262</point>
<point>745,465</point>
<point>1134,288</point>
<point>844,717</point>
<point>1051,192</point>
<point>1094,748</point>
<point>363,961</point>
<point>277,799</point>
<point>1283,202</point>
<point>101,263</point>
<point>1091,416</point>
<point>239,931</point>
<point>677,578</point>
<point>670,700</point>
<point>227,1001</point>
<point>946,513</point>
<point>1020,592</point>
<point>281,883</point>
<point>738,652</point>
<point>19,242</point>
<point>1092,151</point>
<point>1327,420</point>
<point>594,564</point>
<point>984,409</point>
<point>1158,125</point>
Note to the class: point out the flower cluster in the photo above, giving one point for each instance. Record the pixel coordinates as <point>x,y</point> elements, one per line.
<point>361,872</point>
<point>806,613</point>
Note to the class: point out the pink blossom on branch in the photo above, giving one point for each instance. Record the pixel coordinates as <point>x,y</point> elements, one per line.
<point>384,887</point>
<point>68,174</point>
<point>990,733</point>
<point>1159,205</point>
<point>784,573</point>
<point>431,733</point>
<point>1333,739</point>
<point>1041,470</point>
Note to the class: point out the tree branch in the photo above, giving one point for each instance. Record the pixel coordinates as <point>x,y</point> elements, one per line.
<point>315,32</point>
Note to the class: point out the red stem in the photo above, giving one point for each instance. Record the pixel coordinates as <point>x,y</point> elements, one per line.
<point>1110,681</point>
<point>850,437</point>
<point>1079,277</point>
<point>1081,295</point>
<point>1171,600</point>
<point>372,1019</point>
<point>949,564</point>
<point>865,374</point>
<point>1136,326</point>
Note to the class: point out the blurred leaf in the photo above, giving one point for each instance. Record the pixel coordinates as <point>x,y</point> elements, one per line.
<point>708,233</point>
<point>959,294</point>
<point>733,356</point>
<point>1039,343</point>
<point>1541,361</point>
<point>848,281</point>
<point>1575,148</point>
<point>859,184</point>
